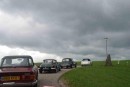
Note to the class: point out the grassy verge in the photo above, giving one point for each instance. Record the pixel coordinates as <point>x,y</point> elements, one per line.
<point>99,76</point>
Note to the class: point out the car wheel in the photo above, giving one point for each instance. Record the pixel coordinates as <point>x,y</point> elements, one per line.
<point>59,69</point>
<point>70,66</point>
<point>56,70</point>
<point>75,66</point>
<point>37,76</point>
<point>35,85</point>
<point>40,71</point>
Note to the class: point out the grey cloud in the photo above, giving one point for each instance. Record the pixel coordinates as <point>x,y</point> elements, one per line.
<point>73,25</point>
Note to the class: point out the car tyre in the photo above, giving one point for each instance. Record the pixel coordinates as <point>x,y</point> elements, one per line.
<point>71,66</point>
<point>40,71</point>
<point>75,66</point>
<point>56,70</point>
<point>35,85</point>
<point>59,69</point>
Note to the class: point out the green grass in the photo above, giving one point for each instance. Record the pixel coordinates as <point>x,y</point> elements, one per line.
<point>99,75</point>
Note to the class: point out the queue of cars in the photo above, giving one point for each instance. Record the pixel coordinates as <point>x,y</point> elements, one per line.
<point>21,71</point>
<point>49,65</point>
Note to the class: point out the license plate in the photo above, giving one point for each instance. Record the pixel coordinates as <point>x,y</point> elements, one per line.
<point>45,68</point>
<point>8,78</point>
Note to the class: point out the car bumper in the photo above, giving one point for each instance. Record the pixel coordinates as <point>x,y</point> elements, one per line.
<point>20,84</point>
<point>64,66</point>
<point>47,69</point>
<point>86,64</point>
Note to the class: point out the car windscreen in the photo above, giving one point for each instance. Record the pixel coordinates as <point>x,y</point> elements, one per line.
<point>14,62</point>
<point>47,61</point>
<point>65,60</point>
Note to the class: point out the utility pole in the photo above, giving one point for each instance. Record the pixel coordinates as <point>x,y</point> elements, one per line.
<point>108,57</point>
<point>106,46</point>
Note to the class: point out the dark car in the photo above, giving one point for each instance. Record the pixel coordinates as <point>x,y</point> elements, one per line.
<point>49,65</point>
<point>18,71</point>
<point>68,63</point>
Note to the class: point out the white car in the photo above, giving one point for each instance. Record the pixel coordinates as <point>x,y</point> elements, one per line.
<point>86,61</point>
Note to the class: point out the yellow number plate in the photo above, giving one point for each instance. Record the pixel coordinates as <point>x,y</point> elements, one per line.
<point>7,78</point>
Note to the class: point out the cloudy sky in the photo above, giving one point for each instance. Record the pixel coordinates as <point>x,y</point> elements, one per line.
<point>65,28</point>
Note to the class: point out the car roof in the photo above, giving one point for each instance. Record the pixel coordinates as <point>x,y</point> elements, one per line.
<point>67,58</point>
<point>85,59</point>
<point>18,56</point>
<point>49,59</point>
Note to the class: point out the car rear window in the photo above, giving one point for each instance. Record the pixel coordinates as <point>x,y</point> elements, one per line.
<point>86,60</point>
<point>64,60</point>
<point>14,62</point>
<point>47,61</point>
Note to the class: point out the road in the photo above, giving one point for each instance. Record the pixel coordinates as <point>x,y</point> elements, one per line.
<point>50,79</point>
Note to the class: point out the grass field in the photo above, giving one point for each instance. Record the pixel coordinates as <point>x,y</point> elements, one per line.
<point>99,75</point>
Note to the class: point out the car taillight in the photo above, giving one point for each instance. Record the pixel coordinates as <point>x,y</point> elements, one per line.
<point>28,77</point>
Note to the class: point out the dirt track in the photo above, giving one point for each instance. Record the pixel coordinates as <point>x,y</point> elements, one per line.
<point>50,79</point>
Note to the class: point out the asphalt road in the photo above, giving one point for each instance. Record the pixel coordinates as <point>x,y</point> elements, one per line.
<point>50,79</point>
